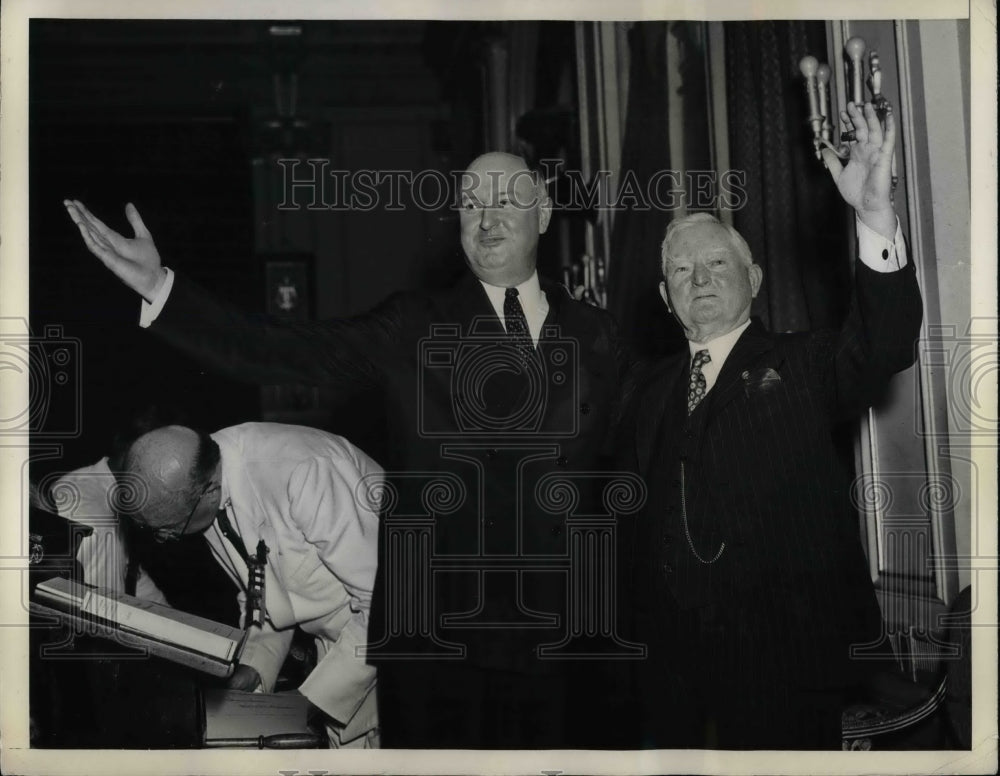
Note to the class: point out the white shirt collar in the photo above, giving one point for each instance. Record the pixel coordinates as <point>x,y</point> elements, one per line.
<point>529,291</point>
<point>718,349</point>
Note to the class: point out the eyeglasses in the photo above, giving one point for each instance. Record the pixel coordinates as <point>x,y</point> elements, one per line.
<point>169,534</point>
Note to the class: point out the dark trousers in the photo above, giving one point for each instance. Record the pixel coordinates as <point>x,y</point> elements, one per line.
<point>749,714</point>
<point>454,705</point>
<point>718,685</point>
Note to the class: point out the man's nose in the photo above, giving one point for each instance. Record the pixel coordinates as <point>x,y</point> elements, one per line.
<point>488,218</point>
<point>700,275</point>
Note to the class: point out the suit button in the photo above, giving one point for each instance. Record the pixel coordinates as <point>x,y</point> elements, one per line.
<point>668,540</point>
<point>668,569</point>
<point>561,461</point>
<point>491,453</point>
<point>490,523</point>
<point>556,530</point>
<point>585,409</point>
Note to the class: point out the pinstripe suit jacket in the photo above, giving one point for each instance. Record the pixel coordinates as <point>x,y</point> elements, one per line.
<point>763,484</point>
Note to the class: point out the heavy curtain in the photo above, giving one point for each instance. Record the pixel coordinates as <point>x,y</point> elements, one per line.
<point>635,240</point>
<point>792,218</point>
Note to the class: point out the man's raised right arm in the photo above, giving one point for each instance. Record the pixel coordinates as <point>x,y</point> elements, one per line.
<point>251,348</point>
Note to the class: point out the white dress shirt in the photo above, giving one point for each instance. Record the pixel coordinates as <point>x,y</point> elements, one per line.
<point>877,252</point>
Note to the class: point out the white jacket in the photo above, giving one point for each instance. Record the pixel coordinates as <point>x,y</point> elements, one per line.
<point>84,496</point>
<point>305,493</point>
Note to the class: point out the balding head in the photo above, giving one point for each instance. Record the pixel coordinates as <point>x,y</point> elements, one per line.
<point>504,208</point>
<point>174,464</point>
<point>500,162</point>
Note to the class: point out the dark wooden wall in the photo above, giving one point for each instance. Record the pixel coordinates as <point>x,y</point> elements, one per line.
<point>182,118</point>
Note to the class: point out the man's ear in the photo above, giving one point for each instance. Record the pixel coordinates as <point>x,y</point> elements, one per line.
<point>665,295</point>
<point>756,275</point>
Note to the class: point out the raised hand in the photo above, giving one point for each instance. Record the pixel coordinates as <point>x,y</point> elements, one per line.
<point>135,261</point>
<point>865,182</point>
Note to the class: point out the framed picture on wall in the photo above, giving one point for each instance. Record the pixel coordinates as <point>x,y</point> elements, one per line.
<point>289,293</point>
<point>288,285</point>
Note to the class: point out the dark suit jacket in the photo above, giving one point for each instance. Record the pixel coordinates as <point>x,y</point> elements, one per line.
<point>791,588</point>
<point>423,352</point>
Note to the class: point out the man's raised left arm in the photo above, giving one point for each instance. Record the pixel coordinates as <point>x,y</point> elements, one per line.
<point>878,339</point>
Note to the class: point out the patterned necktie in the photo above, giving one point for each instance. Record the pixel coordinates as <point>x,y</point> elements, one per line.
<point>517,325</point>
<point>696,384</point>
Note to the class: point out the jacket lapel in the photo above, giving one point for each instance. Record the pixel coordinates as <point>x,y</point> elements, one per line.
<point>468,305</point>
<point>653,407</point>
<point>753,343</point>
<point>248,516</point>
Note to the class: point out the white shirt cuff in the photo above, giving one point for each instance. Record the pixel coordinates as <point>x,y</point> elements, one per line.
<point>150,310</point>
<point>876,251</point>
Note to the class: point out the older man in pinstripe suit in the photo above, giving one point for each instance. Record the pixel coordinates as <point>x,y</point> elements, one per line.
<point>749,583</point>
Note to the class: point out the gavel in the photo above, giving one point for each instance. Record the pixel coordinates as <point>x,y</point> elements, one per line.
<point>279,741</point>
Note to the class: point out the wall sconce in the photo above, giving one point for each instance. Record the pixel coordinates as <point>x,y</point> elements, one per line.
<point>817,79</point>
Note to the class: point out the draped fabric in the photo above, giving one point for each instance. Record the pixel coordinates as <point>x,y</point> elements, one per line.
<point>793,219</point>
<point>634,273</point>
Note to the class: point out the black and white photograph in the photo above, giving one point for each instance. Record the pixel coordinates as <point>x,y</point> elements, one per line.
<point>523,390</point>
